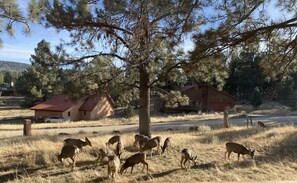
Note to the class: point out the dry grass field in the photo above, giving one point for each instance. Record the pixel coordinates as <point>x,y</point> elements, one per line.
<point>34,159</point>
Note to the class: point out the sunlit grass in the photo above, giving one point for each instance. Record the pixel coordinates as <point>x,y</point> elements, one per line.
<point>33,159</point>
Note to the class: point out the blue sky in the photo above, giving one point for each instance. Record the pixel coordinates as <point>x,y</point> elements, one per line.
<point>20,47</point>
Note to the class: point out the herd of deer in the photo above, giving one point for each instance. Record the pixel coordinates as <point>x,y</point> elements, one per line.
<point>144,143</point>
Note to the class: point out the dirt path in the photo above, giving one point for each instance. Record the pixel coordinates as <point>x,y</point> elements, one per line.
<point>179,125</point>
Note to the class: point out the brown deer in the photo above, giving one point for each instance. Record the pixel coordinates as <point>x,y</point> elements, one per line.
<point>140,140</point>
<point>114,139</point>
<point>261,124</point>
<point>113,165</point>
<point>187,154</point>
<point>239,149</point>
<point>166,144</point>
<point>77,142</point>
<point>68,152</point>
<point>149,145</point>
<point>133,160</point>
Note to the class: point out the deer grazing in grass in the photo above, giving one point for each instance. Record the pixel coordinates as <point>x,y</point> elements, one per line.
<point>68,152</point>
<point>186,155</point>
<point>77,142</point>
<point>113,165</point>
<point>133,160</point>
<point>166,144</point>
<point>261,124</point>
<point>239,149</point>
<point>140,140</point>
<point>149,145</point>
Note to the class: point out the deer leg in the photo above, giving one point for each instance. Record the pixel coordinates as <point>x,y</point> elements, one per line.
<point>145,164</point>
<point>238,156</point>
<point>185,163</point>
<point>181,162</point>
<point>73,164</point>
<point>229,155</point>
<point>132,169</point>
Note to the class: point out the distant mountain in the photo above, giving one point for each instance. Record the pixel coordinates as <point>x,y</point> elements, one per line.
<point>13,66</point>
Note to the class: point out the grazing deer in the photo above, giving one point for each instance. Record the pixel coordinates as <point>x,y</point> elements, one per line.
<point>113,165</point>
<point>166,144</point>
<point>261,124</point>
<point>187,154</point>
<point>140,140</point>
<point>149,145</point>
<point>68,152</point>
<point>104,153</point>
<point>77,142</point>
<point>239,149</point>
<point>133,160</point>
<point>114,139</point>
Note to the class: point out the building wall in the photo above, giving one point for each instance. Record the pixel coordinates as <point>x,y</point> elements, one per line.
<point>208,98</point>
<point>103,109</point>
<point>47,113</point>
<point>74,112</point>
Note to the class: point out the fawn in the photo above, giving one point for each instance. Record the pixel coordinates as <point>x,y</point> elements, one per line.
<point>187,154</point>
<point>113,165</point>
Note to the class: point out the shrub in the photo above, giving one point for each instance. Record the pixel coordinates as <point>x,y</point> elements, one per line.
<point>257,98</point>
<point>129,112</point>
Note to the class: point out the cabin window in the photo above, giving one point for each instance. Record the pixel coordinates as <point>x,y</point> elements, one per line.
<point>68,113</point>
<point>85,112</point>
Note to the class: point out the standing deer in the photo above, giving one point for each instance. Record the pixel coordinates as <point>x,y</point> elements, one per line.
<point>68,152</point>
<point>239,149</point>
<point>187,154</point>
<point>77,142</point>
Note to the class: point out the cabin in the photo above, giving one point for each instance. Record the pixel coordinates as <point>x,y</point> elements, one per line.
<point>86,108</point>
<point>205,98</point>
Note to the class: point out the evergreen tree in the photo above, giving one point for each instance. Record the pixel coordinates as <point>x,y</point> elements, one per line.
<point>38,82</point>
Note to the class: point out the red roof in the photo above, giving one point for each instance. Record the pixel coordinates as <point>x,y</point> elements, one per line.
<point>57,103</point>
<point>90,103</point>
<point>61,103</point>
<point>185,88</point>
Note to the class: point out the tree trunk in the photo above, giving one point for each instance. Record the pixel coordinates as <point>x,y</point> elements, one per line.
<point>144,97</point>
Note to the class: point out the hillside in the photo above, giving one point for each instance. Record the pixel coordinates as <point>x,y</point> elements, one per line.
<point>13,66</point>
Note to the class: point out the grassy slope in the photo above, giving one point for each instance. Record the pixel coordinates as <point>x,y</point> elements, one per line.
<point>33,159</point>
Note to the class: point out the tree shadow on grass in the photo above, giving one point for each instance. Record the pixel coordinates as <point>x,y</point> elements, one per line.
<point>19,173</point>
<point>235,135</point>
<point>156,175</point>
<point>286,149</point>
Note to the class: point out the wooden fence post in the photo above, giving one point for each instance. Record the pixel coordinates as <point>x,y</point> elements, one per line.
<point>27,127</point>
<point>226,119</point>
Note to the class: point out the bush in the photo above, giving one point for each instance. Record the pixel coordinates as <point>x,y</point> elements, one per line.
<point>257,98</point>
<point>129,112</point>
